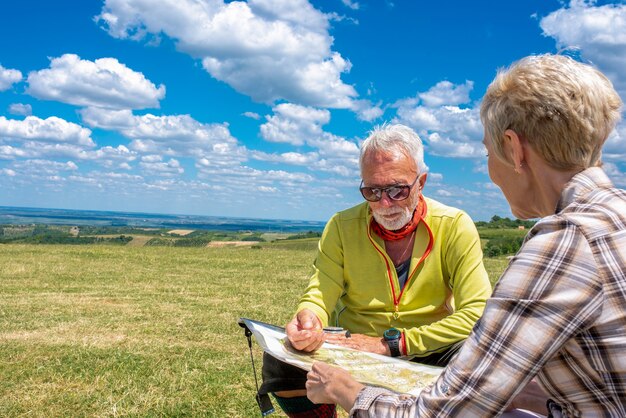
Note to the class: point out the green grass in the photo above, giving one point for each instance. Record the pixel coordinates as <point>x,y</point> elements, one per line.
<point>151,331</point>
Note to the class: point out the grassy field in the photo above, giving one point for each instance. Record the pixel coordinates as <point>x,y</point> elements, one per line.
<point>152,331</point>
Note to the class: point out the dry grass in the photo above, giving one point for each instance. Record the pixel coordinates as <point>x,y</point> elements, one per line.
<point>139,240</point>
<point>215,244</point>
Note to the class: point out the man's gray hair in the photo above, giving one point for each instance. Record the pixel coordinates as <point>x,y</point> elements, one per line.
<point>394,138</point>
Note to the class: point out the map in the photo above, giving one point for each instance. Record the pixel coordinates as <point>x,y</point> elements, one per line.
<point>368,368</point>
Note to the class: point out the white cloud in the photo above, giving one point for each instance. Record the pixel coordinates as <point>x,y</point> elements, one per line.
<point>122,176</point>
<point>8,172</point>
<point>617,176</point>
<point>481,167</point>
<point>615,146</point>
<point>598,32</point>
<point>154,164</point>
<point>39,139</point>
<point>8,152</point>
<point>435,178</point>
<point>266,189</point>
<point>250,179</point>
<point>252,115</point>
<point>293,158</point>
<point>446,93</point>
<point>20,109</point>
<point>104,82</point>
<point>447,130</point>
<point>294,124</point>
<point>354,5</point>
<point>35,149</point>
<point>447,147</point>
<point>8,77</point>
<point>52,129</point>
<point>44,167</point>
<point>108,156</point>
<point>107,119</point>
<point>366,111</point>
<point>269,50</point>
<point>336,147</point>
<point>122,183</point>
<point>302,126</point>
<point>151,158</point>
<point>172,135</point>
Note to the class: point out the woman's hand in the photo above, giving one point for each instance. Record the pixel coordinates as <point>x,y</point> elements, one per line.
<point>328,384</point>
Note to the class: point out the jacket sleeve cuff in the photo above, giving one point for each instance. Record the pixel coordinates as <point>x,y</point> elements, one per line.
<point>403,342</point>
<point>319,311</point>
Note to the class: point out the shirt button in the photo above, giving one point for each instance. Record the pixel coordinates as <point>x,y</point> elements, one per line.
<point>445,388</point>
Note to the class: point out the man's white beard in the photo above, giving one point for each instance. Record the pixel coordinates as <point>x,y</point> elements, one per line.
<point>393,224</point>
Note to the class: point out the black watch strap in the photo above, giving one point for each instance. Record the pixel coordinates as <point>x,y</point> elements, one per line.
<point>394,346</point>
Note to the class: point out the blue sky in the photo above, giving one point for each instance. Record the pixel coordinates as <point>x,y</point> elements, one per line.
<point>257,108</point>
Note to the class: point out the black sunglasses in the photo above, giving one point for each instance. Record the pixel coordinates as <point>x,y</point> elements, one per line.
<point>397,192</point>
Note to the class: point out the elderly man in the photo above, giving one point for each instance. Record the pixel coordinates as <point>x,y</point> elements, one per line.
<point>402,273</point>
<point>557,313</point>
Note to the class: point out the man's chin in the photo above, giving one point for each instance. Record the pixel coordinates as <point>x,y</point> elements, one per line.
<point>390,223</point>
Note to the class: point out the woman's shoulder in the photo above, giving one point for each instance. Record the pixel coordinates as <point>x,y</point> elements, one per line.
<point>600,212</point>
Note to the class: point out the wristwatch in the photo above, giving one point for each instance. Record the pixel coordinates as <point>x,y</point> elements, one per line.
<point>392,338</point>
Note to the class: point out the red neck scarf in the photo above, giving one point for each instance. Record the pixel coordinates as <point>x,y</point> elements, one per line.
<point>406,230</point>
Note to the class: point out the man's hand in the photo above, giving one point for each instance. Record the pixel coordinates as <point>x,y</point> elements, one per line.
<point>304,331</point>
<point>360,342</point>
<point>327,384</point>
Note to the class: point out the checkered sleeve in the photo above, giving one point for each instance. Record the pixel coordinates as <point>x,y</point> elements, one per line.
<point>379,402</point>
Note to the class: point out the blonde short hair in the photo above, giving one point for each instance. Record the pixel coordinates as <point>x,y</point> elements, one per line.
<point>563,108</point>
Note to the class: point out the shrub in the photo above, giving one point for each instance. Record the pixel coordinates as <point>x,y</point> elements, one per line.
<point>302,235</point>
<point>192,242</point>
<point>255,238</point>
<point>160,242</point>
<point>502,246</point>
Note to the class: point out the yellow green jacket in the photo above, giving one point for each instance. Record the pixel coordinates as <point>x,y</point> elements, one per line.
<point>355,284</point>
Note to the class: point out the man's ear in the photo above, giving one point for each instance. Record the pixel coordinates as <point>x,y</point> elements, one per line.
<point>422,180</point>
<point>514,148</point>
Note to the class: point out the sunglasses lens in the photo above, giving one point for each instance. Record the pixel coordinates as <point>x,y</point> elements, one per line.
<point>371,194</point>
<point>398,193</point>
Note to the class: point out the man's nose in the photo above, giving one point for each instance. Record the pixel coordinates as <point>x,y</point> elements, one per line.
<point>385,200</point>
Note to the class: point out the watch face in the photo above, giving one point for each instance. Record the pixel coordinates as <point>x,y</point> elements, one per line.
<point>392,334</point>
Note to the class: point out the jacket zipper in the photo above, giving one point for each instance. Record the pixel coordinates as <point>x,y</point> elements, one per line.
<point>396,299</point>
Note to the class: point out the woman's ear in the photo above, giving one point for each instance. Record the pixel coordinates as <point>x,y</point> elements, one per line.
<point>514,148</point>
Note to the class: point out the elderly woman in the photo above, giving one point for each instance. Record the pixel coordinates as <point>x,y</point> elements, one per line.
<point>557,317</point>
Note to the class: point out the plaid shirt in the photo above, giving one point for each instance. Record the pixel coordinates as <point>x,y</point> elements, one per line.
<point>557,313</point>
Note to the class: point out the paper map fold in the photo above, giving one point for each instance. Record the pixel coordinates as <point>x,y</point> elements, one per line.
<point>368,368</point>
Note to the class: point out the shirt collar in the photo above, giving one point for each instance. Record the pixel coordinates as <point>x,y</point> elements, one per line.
<point>581,184</point>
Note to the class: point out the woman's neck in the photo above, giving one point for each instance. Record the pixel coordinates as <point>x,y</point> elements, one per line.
<point>549,184</point>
